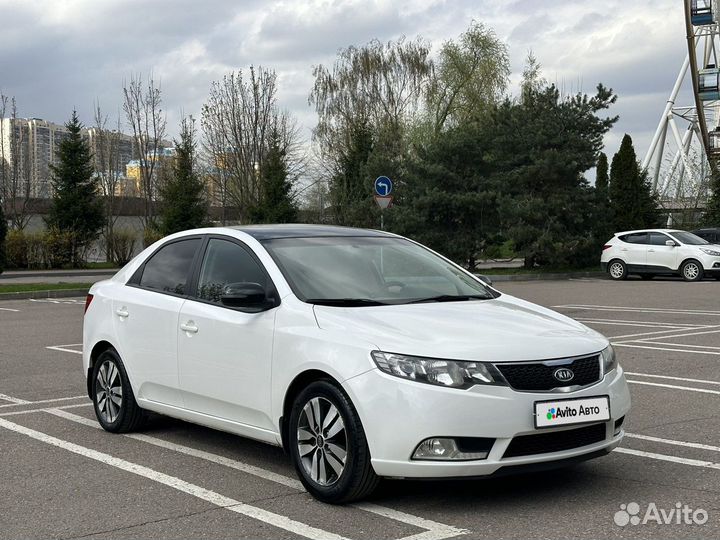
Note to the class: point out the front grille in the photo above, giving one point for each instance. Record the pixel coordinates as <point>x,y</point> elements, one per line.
<point>545,443</point>
<point>538,376</point>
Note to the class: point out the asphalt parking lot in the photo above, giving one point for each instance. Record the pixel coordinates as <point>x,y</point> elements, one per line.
<point>63,477</point>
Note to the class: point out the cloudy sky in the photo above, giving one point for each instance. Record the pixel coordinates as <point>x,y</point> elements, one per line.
<point>56,55</point>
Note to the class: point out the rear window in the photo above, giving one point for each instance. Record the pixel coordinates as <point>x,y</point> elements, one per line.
<point>634,238</point>
<point>168,270</point>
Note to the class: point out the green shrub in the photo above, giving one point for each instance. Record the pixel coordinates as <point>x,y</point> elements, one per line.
<point>151,235</point>
<point>120,246</point>
<point>16,249</point>
<point>61,249</point>
<point>36,250</point>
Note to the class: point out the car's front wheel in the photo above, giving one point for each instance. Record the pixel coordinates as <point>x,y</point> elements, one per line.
<point>617,269</point>
<point>691,271</point>
<point>113,398</point>
<point>328,446</point>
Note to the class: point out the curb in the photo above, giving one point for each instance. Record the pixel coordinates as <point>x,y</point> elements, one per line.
<point>31,295</point>
<point>496,278</point>
<point>57,273</point>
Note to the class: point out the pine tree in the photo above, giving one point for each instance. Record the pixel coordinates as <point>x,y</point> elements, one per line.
<point>633,204</point>
<point>277,204</point>
<point>184,205</point>
<point>601,176</point>
<point>76,213</point>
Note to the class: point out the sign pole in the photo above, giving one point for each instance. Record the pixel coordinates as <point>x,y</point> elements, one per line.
<point>383,189</point>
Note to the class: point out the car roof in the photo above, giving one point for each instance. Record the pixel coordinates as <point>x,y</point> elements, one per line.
<point>640,231</point>
<point>301,230</point>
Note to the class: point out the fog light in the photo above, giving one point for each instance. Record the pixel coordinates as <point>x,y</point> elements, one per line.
<point>443,449</point>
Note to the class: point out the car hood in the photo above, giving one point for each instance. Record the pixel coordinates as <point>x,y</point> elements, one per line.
<point>503,329</point>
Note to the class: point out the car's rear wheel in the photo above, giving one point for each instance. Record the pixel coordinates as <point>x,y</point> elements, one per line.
<point>691,270</point>
<point>113,398</point>
<point>328,445</point>
<point>617,269</point>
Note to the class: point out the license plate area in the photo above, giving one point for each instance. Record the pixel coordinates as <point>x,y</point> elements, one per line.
<point>569,412</point>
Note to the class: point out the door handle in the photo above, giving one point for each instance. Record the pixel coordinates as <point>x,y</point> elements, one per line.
<point>651,251</point>
<point>122,312</point>
<point>189,327</point>
<point>623,249</point>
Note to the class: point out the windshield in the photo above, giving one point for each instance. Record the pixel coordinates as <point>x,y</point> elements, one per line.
<point>689,239</point>
<point>361,271</point>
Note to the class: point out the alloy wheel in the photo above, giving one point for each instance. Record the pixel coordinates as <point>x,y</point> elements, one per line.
<point>616,270</point>
<point>691,271</point>
<point>322,441</point>
<point>108,391</point>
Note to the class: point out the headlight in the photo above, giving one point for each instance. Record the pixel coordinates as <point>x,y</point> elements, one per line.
<point>452,373</point>
<point>609,359</point>
<point>712,252</point>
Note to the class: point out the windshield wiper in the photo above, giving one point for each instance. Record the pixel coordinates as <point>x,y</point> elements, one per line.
<point>450,298</point>
<point>345,302</point>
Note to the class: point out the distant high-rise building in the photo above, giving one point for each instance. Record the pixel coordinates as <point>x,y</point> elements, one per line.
<point>28,148</point>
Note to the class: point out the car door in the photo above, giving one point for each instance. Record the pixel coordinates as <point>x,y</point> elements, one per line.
<point>224,354</point>
<point>146,318</point>
<point>633,250</point>
<point>660,256</point>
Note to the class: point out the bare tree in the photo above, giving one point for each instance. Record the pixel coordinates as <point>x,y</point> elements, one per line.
<point>238,120</point>
<point>15,172</point>
<point>109,167</point>
<point>142,105</point>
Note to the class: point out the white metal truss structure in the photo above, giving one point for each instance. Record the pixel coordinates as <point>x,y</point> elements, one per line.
<point>685,148</point>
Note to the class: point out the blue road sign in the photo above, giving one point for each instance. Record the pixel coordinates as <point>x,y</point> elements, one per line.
<point>383,186</point>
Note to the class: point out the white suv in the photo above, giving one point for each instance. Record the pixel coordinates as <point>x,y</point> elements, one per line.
<point>652,252</point>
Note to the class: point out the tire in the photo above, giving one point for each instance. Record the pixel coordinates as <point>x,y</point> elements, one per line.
<point>691,270</point>
<point>646,277</point>
<point>318,457</point>
<point>110,378</point>
<point>617,270</point>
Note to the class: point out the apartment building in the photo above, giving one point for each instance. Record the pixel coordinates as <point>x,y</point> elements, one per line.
<point>28,148</point>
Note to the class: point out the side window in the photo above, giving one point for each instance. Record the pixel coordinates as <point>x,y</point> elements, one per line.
<point>168,270</point>
<point>658,239</point>
<point>635,238</point>
<point>226,262</point>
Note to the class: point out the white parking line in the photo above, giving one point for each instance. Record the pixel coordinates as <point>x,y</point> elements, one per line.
<point>673,459</point>
<point>13,400</point>
<point>45,409</point>
<point>687,388</point>
<point>435,530</point>
<point>64,348</point>
<point>642,334</point>
<point>622,344</point>
<point>276,520</point>
<point>53,400</point>
<point>629,322</point>
<point>685,379</point>
<point>629,309</point>
<point>673,442</point>
<point>684,334</point>
<point>708,347</point>
<point>9,309</point>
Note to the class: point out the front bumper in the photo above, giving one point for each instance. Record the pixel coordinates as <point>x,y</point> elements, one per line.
<point>400,414</point>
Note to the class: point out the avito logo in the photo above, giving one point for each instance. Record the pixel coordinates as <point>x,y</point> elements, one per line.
<point>568,412</point>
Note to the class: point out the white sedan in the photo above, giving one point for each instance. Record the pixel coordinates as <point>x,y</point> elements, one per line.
<point>362,353</point>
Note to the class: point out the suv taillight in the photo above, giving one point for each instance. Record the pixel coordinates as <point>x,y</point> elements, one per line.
<point>607,246</point>
<point>88,300</point>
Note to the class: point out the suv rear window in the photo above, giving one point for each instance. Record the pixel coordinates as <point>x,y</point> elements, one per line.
<point>634,238</point>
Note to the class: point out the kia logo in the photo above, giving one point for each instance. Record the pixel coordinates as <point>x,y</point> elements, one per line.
<point>564,374</point>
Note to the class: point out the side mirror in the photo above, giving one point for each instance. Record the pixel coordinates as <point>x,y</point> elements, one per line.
<point>670,243</point>
<point>245,295</point>
<point>486,280</point>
